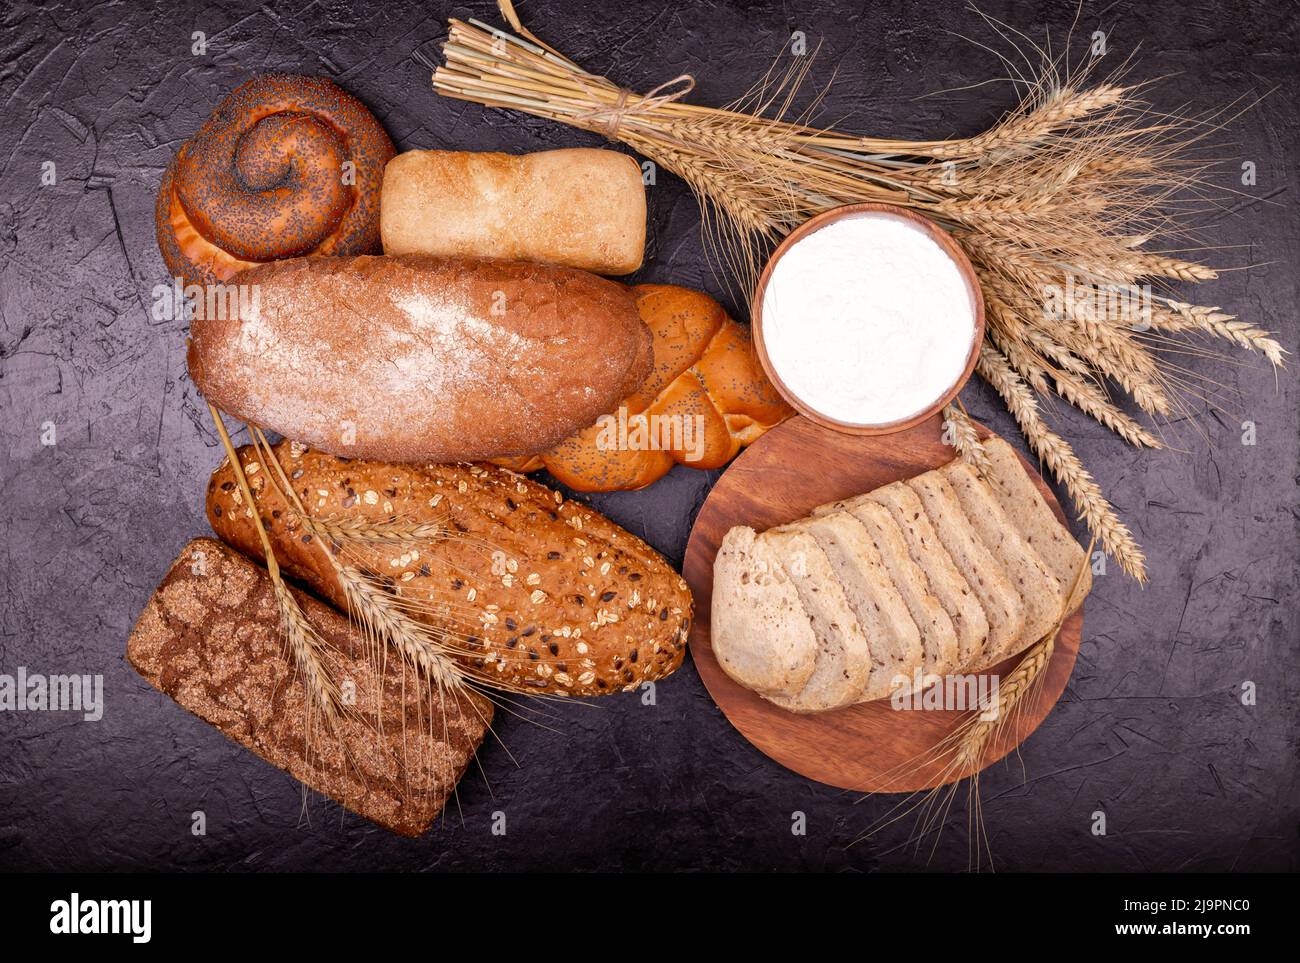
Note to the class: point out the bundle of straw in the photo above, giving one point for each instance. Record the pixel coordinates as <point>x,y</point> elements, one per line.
<point>1059,206</point>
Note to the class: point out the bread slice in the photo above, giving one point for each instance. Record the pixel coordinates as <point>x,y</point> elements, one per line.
<point>946,581</point>
<point>947,584</point>
<point>1042,596</point>
<point>1002,605</point>
<point>843,663</point>
<point>938,638</point>
<point>892,635</point>
<point>211,638</point>
<point>761,635</point>
<point>1034,519</point>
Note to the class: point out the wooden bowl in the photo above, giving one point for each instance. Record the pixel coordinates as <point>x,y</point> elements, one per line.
<point>943,239</point>
<point>871,747</point>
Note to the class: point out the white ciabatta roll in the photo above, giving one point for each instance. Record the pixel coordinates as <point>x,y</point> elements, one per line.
<point>579,207</point>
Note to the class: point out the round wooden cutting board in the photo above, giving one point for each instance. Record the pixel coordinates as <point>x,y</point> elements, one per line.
<point>873,747</point>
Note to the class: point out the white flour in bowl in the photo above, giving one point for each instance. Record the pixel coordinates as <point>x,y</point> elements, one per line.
<point>868,320</point>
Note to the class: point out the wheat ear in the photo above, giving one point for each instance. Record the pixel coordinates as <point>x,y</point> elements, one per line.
<point>364,530</point>
<point>964,436</point>
<point>305,643</point>
<point>975,740</point>
<point>1093,507</point>
<point>381,616</point>
<point>1191,317</point>
<point>1021,131</point>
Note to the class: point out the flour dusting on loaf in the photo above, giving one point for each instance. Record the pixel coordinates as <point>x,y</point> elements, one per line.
<point>421,358</point>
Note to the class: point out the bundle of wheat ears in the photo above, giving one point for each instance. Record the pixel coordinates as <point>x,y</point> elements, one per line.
<point>1066,208</point>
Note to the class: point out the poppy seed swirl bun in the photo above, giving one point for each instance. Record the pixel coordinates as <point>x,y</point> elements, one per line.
<point>286,166</point>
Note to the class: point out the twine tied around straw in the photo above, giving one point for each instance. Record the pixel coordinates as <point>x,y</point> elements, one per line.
<point>613,117</point>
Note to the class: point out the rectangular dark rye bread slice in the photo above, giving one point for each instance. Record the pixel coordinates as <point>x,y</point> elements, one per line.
<point>210,638</point>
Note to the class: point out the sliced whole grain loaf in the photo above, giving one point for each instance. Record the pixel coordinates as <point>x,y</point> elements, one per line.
<point>761,635</point>
<point>1002,605</point>
<point>892,635</point>
<point>1034,519</point>
<point>947,584</point>
<point>938,637</point>
<point>1042,596</point>
<point>843,657</point>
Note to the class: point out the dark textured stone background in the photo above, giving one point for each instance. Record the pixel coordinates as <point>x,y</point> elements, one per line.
<point>1150,730</point>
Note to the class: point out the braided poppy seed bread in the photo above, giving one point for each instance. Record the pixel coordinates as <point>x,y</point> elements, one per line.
<point>285,166</point>
<point>538,594</point>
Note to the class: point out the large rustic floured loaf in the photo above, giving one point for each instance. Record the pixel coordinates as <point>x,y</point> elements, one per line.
<point>1034,519</point>
<point>947,583</point>
<point>705,399</point>
<point>843,663</point>
<point>211,639</point>
<point>1043,597</point>
<point>1002,603</point>
<point>761,635</point>
<point>538,593</point>
<point>579,207</point>
<point>892,635</point>
<point>420,358</point>
<point>938,638</point>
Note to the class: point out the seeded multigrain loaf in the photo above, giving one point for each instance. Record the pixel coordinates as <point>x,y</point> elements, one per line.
<point>542,593</point>
<point>211,639</point>
<point>843,663</point>
<point>1002,603</point>
<point>419,358</point>
<point>1042,596</point>
<point>761,635</point>
<point>1037,524</point>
